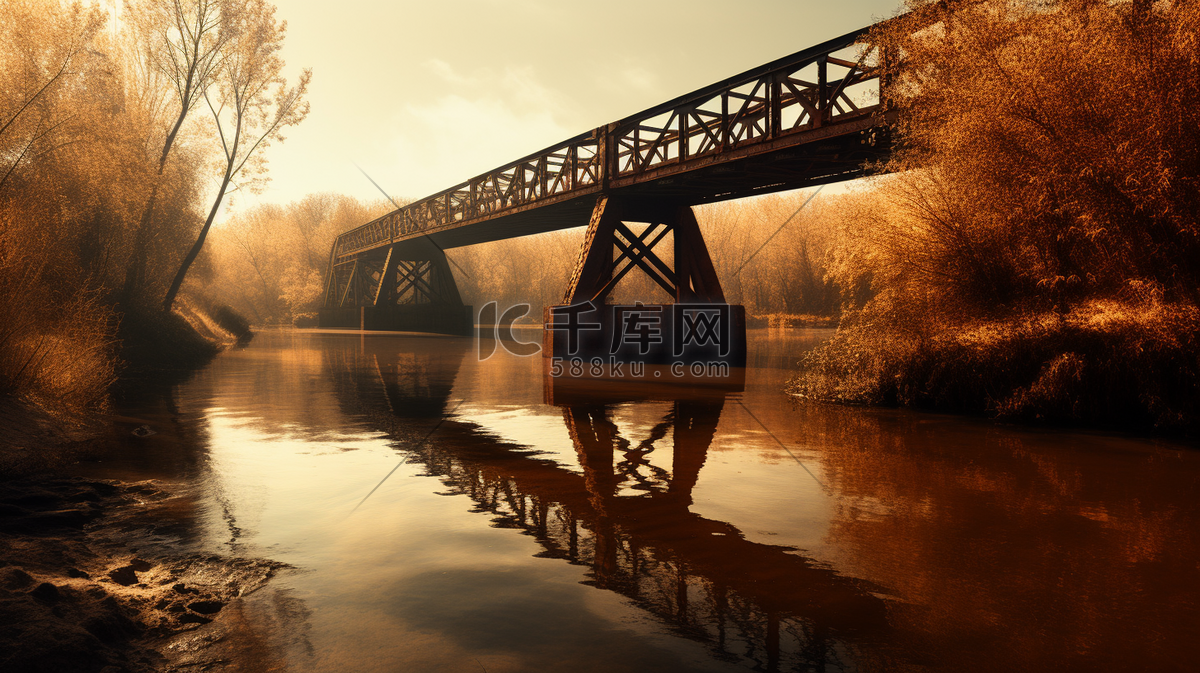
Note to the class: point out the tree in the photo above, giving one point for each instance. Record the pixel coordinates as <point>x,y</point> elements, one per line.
<point>270,260</point>
<point>41,44</point>
<point>55,340</point>
<point>253,106</point>
<point>184,42</point>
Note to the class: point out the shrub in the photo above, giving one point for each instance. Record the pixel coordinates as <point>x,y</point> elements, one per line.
<point>153,340</point>
<point>232,321</point>
<point>1105,363</point>
<point>56,346</point>
<point>1037,255</point>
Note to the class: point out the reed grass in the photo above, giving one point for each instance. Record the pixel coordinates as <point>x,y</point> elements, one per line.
<point>56,346</point>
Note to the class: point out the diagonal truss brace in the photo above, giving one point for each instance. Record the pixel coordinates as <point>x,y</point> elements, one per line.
<point>415,277</point>
<point>693,279</point>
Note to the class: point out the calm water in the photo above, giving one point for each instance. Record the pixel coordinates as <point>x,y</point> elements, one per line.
<point>445,514</point>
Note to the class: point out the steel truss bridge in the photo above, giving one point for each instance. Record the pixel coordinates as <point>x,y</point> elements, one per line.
<point>811,118</point>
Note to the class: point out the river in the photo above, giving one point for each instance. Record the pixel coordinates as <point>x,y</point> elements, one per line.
<point>446,514</point>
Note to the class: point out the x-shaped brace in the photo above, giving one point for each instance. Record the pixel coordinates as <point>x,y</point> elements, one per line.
<point>412,277</point>
<point>638,253</point>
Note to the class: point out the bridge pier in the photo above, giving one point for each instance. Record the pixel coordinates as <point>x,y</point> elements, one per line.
<point>697,339</point>
<point>406,287</point>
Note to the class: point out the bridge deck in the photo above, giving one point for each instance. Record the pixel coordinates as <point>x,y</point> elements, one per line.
<point>806,119</point>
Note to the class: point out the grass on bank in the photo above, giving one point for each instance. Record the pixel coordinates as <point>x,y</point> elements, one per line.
<point>56,347</point>
<point>62,346</point>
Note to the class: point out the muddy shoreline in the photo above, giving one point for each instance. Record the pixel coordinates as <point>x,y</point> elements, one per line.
<point>101,575</point>
<point>89,581</point>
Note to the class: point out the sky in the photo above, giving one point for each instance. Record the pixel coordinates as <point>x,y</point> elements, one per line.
<point>424,95</point>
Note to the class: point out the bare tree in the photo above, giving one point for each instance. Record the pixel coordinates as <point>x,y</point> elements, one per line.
<point>253,106</point>
<point>184,41</point>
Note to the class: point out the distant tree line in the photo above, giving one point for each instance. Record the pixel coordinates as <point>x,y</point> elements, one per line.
<point>270,262</point>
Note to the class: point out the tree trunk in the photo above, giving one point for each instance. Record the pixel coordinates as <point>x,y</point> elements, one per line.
<point>169,301</point>
<point>135,275</point>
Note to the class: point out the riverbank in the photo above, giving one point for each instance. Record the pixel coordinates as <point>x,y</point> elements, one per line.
<point>96,574</point>
<point>790,320</point>
<point>41,433</point>
<point>93,573</point>
<point>1014,262</point>
<point>1104,364</point>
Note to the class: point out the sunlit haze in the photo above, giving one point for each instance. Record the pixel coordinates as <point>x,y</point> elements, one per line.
<point>425,95</point>
<point>715,337</point>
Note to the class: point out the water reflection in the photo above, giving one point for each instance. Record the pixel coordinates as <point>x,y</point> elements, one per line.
<point>625,518</point>
<point>900,542</point>
<point>1025,549</point>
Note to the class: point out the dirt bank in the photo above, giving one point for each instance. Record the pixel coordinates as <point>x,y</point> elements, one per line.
<point>106,576</point>
<point>94,577</point>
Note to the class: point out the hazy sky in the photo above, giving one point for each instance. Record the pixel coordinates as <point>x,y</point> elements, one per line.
<point>424,95</point>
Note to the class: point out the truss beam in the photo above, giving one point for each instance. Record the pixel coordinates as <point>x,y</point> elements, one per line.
<point>597,271</point>
<point>830,90</point>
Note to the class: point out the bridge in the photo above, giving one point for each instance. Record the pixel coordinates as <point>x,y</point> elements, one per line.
<point>811,118</point>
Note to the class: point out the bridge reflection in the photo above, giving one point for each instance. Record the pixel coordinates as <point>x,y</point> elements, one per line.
<point>621,515</point>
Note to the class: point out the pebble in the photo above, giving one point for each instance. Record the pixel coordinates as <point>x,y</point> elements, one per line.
<point>14,578</point>
<point>45,592</point>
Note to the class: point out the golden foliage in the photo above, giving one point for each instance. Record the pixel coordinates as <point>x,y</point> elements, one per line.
<point>268,263</point>
<point>101,186</point>
<point>1053,150</point>
<point>1037,255</point>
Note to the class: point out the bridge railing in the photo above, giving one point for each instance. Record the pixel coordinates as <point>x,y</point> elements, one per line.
<point>819,87</point>
<point>803,95</point>
<point>563,168</point>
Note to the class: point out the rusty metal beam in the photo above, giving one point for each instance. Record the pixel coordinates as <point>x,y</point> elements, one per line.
<point>726,140</point>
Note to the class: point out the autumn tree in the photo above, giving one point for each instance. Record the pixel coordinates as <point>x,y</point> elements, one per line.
<point>1037,253</point>
<point>250,109</point>
<point>43,46</point>
<point>182,45</point>
<point>269,262</point>
<point>54,338</point>
<point>1053,149</point>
